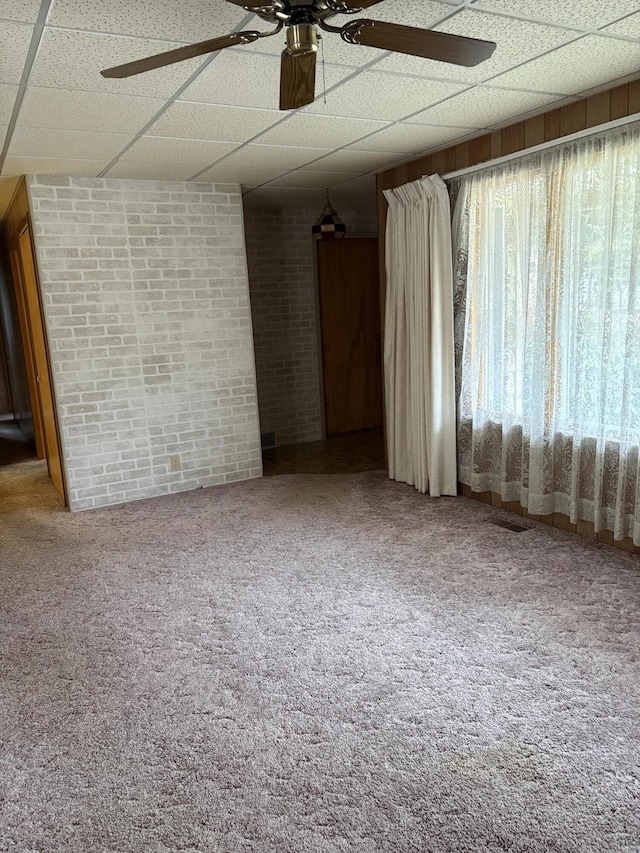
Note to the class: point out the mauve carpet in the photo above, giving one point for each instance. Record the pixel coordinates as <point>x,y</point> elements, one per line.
<point>310,664</point>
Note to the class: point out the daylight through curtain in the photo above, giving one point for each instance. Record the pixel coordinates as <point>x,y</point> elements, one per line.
<point>418,338</point>
<point>550,371</point>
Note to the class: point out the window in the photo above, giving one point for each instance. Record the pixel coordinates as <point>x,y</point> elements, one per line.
<point>551,355</point>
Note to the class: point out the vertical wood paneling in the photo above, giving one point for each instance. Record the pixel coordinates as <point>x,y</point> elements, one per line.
<point>450,160</point>
<point>439,163</point>
<point>598,109</point>
<point>534,131</point>
<point>496,144</point>
<point>512,138</point>
<point>634,97</point>
<point>415,170</point>
<point>619,102</point>
<point>479,149</point>
<point>573,118</point>
<point>551,125</point>
<point>463,158</point>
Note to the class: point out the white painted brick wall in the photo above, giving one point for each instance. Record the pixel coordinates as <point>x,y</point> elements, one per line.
<point>281,261</point>
<point>148,317</point>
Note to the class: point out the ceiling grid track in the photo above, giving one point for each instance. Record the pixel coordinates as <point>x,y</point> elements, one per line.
<point>36,38</point>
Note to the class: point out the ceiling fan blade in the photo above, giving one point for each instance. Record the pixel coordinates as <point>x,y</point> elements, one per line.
<point>297,80</point>
<point>180,53</point>
<point>444,47</point>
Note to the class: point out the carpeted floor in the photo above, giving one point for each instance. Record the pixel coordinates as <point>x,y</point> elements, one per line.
<point>310,664</point>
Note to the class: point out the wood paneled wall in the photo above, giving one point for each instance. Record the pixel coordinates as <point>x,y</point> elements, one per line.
<point>615,103</point>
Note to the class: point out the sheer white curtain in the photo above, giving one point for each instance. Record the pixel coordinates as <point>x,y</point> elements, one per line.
<point>550,398</point>
<point>418,338</point>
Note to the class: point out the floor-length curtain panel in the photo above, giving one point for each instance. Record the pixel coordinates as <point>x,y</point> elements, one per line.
<point>550,398</point>
<point>418,338</point>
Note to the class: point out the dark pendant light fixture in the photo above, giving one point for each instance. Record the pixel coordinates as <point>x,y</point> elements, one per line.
<point>329,226</point>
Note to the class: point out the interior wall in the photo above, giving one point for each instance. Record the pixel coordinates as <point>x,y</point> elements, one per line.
<point>282,279</point>
<point>147,311</point>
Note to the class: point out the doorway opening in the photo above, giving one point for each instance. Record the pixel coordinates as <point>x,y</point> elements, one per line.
<point>349,343</point>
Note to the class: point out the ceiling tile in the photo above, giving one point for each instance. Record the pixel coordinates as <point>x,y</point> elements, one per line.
<point>173,20</point>
<point>8,185</point>
<point>629,26</point>
<point>516,41</point>
<point>417,13</point>
<point>90,111</point>
<point>578,13</point>
<point>21,10</point>
<point>69,144</point>
<point>359,190</point>
<point>484,107</point>
<point>383,96</point>
<point>307,179</point>
<point>248,79</point>
<point>206,121</point>
<point>196,153</point>
<point>272,156</point>
<point>587,63</point>
<point>308,129</point>
<point>141,171</point>
<point>12,61</point>
<point>52,166</point>
<point>73,60</point>
<point>267,197</point>
<point>7,100</point>
<point>410,138</point>
<point>239,175</point>
<point>349,160</point>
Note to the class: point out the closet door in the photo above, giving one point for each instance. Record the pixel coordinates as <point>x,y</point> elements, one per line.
<point>350,323</point>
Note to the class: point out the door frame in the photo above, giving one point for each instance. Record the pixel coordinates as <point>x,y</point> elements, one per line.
<point>36,326</point>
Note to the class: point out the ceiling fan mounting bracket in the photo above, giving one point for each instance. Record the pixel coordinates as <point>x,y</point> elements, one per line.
<point>352,31</point>
<point>301,15</point>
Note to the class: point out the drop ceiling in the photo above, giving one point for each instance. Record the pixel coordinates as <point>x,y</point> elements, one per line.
<point>216,118</point>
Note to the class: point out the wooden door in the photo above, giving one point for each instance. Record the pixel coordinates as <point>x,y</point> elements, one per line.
<point>40,355</point>
<point>350,322</point>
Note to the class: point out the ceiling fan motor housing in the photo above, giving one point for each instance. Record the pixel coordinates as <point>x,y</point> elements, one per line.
<point>302,39</point>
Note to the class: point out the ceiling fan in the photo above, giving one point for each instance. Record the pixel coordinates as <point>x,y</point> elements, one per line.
<point>301,18</point>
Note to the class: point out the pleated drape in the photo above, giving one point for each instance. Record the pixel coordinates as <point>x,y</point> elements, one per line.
<point>418,338</point>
